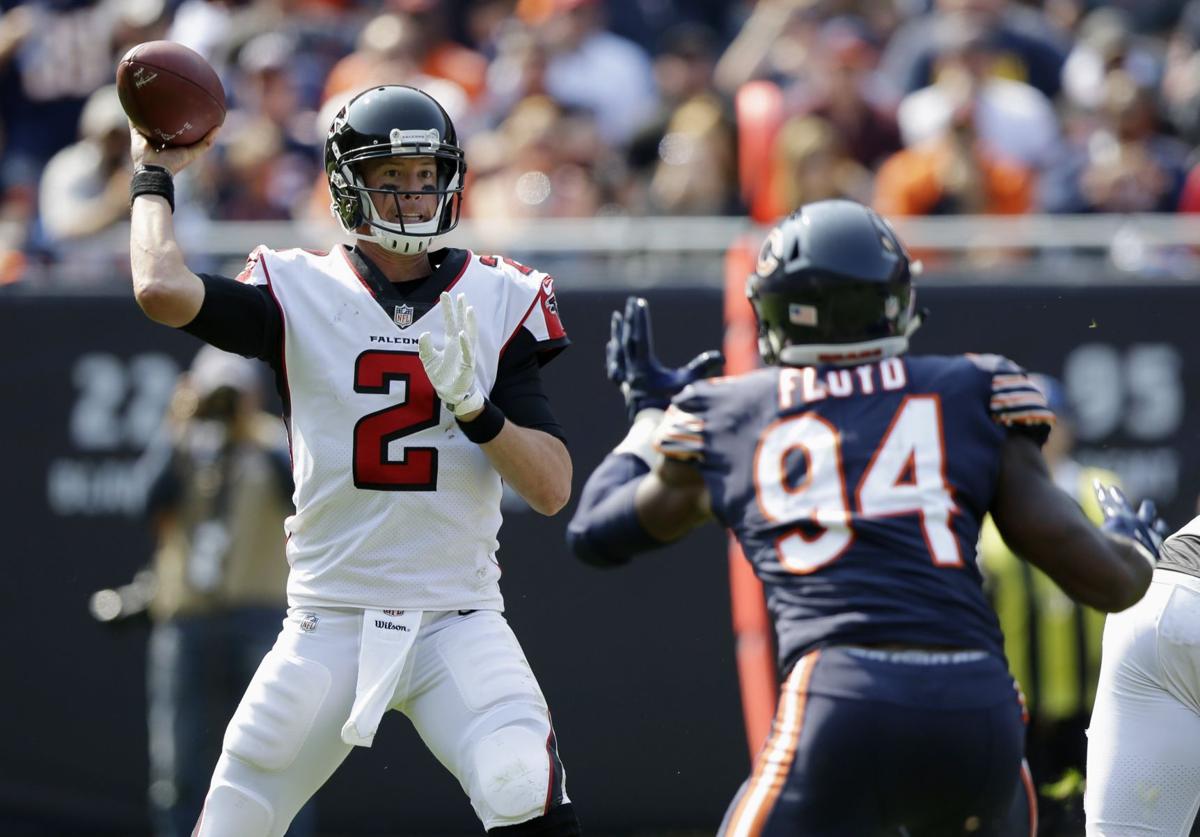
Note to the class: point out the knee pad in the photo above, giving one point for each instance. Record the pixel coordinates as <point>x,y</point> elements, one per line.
<point>277,712</point>
<point>230,810</point>
<point>512,770</point>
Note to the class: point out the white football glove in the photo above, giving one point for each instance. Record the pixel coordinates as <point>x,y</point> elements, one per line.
<point>452,369</point>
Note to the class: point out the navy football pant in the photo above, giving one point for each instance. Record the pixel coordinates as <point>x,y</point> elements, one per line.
<point>870,742</point>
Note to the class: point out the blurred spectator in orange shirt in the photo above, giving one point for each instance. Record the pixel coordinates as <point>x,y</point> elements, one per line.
<point>393,48</point>
<point>952,174</point>
<point>438,55</point>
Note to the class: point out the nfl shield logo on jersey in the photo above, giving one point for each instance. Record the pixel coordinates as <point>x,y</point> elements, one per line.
<point>403,315</point>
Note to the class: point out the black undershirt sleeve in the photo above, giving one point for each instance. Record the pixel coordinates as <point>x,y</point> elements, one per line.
<point>518,391</point>
<point>239,318</point>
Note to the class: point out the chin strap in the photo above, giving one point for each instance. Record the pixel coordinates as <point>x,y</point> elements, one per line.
<point>811,354</point>
<point>396,243</point>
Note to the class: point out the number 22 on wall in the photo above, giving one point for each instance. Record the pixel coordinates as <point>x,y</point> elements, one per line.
<point>906,475</point>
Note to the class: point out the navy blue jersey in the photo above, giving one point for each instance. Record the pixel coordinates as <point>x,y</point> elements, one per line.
<point>857,492</point>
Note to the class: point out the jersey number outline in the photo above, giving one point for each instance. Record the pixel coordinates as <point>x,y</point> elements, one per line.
<point>906,475</point>
<point>416,470</point>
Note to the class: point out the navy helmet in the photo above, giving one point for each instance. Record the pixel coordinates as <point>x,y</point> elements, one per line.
<point>833,284</point>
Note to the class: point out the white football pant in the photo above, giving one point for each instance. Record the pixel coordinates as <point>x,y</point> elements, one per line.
<point>1143,763</point>
<point>465,685</point>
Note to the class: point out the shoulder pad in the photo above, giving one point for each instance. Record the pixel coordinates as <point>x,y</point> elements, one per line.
<point>257,255</point>
<point>510,268</point>
<point>1015,401</point>
<point>995,364</point>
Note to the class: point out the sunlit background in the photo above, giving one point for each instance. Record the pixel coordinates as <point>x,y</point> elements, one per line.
<point>1038,157</point>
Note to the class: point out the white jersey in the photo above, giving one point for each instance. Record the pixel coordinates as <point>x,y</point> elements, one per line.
<point>395,507</point>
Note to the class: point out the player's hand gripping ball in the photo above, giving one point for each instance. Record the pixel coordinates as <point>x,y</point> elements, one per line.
<point>632,365</point>
<point>1144,530</point>
<point>170,93</point>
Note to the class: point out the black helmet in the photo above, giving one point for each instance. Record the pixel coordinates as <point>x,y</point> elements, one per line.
<point>833,284</point>
<point>393,121</point>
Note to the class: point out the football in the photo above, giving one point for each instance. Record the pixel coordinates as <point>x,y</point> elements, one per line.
<point>170,93</point>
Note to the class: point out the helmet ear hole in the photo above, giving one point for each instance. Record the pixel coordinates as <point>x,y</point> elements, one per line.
<point>793,255</point>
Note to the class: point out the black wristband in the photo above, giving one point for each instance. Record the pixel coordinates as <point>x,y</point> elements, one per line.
<point>152,180</point>
<point>485,426</point>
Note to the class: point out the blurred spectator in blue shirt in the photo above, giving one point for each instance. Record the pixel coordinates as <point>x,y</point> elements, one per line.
<point>84,190</point>
<point>1012,119</point>
<point>1029,48</point>
<point>591,68</point>
<point>1125,164</point>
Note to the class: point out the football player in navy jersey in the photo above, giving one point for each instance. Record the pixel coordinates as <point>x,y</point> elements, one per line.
<point>855,478</point>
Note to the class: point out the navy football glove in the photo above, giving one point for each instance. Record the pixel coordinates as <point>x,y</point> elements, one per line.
<point>632,365</point>
<point>1144,530</point>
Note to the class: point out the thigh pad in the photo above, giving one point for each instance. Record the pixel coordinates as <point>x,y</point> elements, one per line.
<point>487,663</point>
<point>231,810</point>
<point>277,712</point>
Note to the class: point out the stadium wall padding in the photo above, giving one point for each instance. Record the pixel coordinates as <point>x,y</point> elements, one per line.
<point>636,663</point>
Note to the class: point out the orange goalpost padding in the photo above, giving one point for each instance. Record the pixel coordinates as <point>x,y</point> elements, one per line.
<point>755,647</point>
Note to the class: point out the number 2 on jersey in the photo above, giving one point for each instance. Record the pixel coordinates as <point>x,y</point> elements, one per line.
<point>416,469</point>
<point>906,475</point>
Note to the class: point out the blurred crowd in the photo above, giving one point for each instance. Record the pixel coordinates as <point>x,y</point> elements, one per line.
<point>579,108</point>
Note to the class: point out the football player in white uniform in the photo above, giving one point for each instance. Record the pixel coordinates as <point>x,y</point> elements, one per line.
<point>411,390</point>
<point>1143,760</point>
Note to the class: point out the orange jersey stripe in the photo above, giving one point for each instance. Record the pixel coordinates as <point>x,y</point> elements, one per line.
<point>775,761</point>
<point>1027,417</point>
<point>1031,796</point>
<point>1018,397</point>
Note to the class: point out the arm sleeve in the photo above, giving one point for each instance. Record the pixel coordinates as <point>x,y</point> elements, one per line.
<point>239,318</point>
<point>605,530</point>
<point>518,390</point>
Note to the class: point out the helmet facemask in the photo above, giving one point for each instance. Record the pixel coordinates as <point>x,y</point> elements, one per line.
<point>354,208</point>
